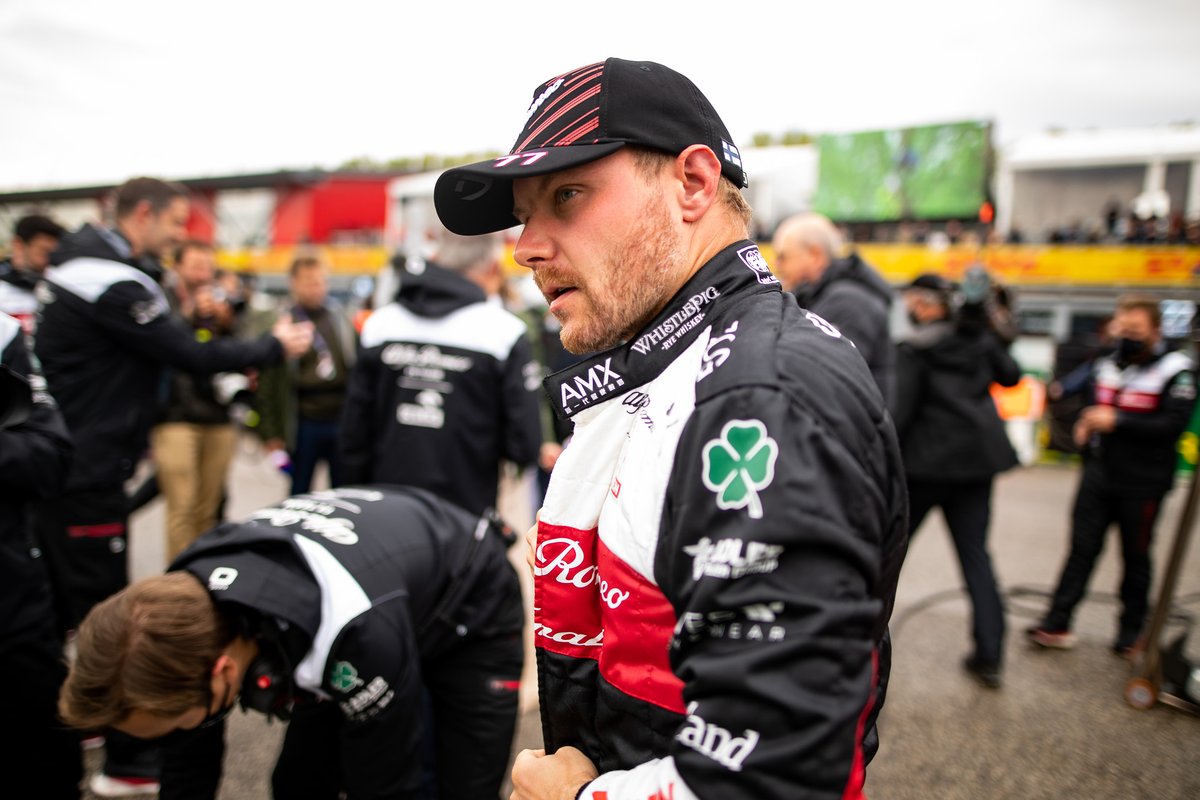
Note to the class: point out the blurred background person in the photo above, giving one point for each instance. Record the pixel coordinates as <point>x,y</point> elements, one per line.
<point>299,401</point>
<point>105,339</point>
<point>954,444</point>
<point>34,239</point>
<point>844,290</point>
<point>193,444</point>
<point>446,386</point>
<point>1140,399</point>
<point>35,453</point>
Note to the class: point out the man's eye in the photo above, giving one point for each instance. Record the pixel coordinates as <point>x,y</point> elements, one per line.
<point>564,194</point>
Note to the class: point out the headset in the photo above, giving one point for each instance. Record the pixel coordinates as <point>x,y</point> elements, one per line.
<point>268,685</point>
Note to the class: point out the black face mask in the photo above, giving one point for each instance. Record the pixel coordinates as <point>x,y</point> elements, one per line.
<point>1131,350</point>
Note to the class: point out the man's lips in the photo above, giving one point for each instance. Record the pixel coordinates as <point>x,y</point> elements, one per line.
<point>560,297</point>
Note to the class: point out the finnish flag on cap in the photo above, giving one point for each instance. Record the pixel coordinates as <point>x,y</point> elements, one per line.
<point>732,154</point>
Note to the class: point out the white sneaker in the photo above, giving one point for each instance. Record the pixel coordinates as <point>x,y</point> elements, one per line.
<point>106,786</point>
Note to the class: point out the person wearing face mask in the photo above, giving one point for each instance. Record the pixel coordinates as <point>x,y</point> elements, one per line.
<point>1140,401</point>
<point>373,619</point>
<point>954,444</point>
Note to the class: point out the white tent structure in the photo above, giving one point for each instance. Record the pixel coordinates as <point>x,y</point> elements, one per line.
<point>1058,178</point>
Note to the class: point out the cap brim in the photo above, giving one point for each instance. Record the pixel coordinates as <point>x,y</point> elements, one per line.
<point>477,198</point>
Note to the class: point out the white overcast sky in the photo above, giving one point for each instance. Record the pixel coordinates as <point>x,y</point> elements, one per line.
<point>95,91</point>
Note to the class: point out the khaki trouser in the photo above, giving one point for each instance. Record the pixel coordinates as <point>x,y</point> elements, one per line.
<point>192,463</point>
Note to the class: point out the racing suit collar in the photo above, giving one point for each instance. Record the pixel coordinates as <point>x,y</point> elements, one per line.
<point>737,270</point>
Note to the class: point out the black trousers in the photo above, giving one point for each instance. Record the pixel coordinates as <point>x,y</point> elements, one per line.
<point>1098,506</point>
<point>967,508</point>
<point>42,759</point>
<point>84,538</point>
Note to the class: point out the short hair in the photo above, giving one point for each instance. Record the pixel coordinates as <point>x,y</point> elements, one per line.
<point>159,194</point>
<point>465,253</point>
<point>37,225</point>
<point>304,261</point>
<point>809,229</point>
<point>650,162</point>
<point>1142,302</point>
<point>150,647</point>
<point>191,244</point>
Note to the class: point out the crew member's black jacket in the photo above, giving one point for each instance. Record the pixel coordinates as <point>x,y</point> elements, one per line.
<point>350,593</point>
<point>104,338</point>
<point>853,296</point>
<point>1154,403</point>
<point>444,388</point>
<point>945,416</point>
<point>16,294</point>
<point>34,458</point>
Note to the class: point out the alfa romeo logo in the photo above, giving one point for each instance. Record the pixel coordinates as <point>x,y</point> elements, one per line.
<point>739,464</point>
<point>344,676</point>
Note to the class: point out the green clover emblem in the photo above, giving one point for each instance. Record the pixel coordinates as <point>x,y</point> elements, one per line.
<point>344,676</point>
<point>739,464</point>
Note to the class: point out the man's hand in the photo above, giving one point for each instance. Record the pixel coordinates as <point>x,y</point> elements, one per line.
<point>296,337</point>
<point>548,455</point>
<point>531,543</point>
<point>1094,419</point>
<point>537,776</point>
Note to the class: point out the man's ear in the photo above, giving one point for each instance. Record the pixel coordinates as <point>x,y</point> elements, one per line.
<point>699,173</point>
<point>227,667</point>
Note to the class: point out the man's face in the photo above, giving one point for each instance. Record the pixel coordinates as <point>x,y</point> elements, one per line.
<point>310,286</point>
<point>143,724</point>
<point>604,248</point>
<point>165,229</point>
<point>33,255</point>
<point>197,267</point>
<point>796,263</point>
<point>1135,323</point>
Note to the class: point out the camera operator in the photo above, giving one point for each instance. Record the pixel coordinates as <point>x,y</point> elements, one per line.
<point>350,612</point>
<point>952,438</point>
<point>35,453</point>
<point>194,441</point>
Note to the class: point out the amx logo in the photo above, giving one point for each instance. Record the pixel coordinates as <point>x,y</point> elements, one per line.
<point>599,381</point>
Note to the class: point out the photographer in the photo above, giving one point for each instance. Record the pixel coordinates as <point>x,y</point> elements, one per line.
<point>194,442</point>
<point>35,453</point>
<point>952,438</point>
<point>377,620</point>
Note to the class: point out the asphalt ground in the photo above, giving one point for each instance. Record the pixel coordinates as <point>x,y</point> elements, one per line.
<point>1059,727</point>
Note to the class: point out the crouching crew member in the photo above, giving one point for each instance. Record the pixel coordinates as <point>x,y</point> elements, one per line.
<point>376,620</point>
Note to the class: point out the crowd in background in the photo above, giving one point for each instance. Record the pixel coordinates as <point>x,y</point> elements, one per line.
<point>441,386</point>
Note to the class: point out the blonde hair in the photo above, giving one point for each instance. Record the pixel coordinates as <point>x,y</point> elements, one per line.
<point>150,647</point>
<point>651,162</point>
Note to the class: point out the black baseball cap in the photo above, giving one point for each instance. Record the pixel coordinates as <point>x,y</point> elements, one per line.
<point>582,116</point>
<point>932,282</point>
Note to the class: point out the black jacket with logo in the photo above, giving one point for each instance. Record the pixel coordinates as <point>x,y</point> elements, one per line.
<point>354,593</point>
<point>854,297</point>
<point>104,339</point>
<point>444,388</point>
<point>1154,403</point>
<point>946,418</point>
<point>34,458</point>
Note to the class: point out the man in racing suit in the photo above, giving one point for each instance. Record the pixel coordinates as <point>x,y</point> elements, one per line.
<point>716,559</point>
<point>341,610</point>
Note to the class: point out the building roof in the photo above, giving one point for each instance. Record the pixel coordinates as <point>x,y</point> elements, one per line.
<point>260,180</point>
<point>1110,147</point>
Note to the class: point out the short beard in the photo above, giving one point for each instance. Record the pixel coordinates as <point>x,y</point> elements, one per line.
<point>638,279</point>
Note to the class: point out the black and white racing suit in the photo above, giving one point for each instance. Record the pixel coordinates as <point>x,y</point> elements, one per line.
<point>370,603</point>
<point>718,552</point>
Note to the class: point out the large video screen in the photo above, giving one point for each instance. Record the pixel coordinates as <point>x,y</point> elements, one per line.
<point>927,172</point>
